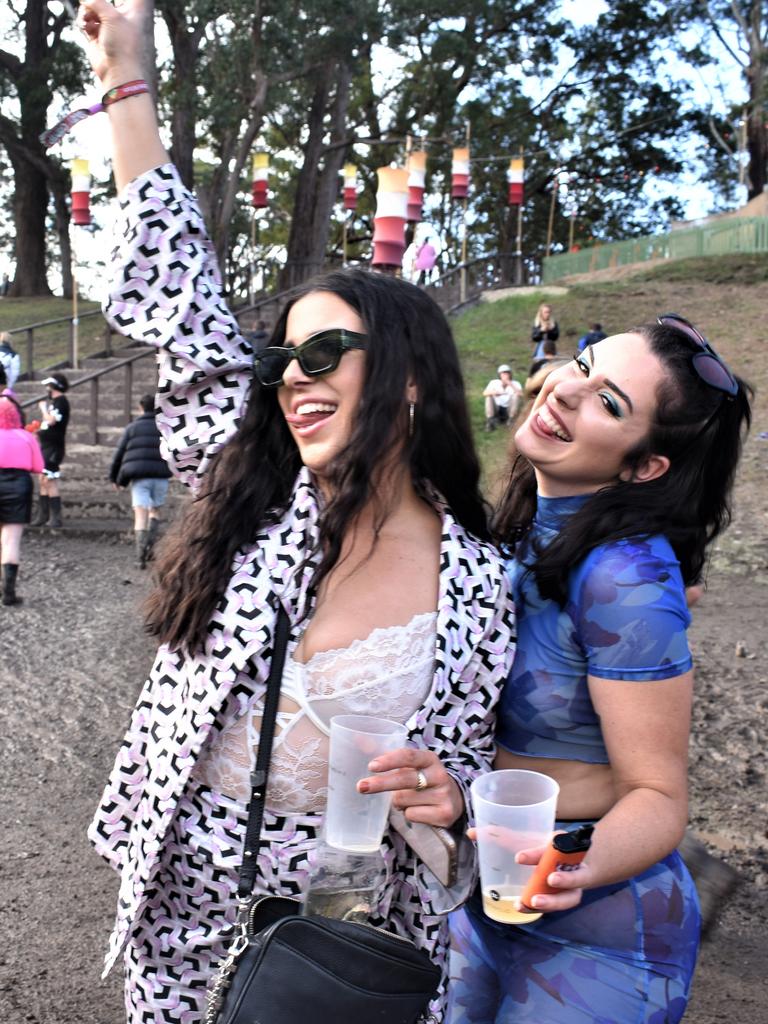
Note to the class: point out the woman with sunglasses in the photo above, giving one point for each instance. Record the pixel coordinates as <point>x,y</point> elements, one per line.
<point>623,477</point>
<point>341,484</point>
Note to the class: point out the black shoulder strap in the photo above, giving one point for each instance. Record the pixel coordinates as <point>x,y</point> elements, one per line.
<point>260,774</point>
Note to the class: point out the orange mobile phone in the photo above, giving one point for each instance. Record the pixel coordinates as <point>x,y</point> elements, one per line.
<point>566,851</point>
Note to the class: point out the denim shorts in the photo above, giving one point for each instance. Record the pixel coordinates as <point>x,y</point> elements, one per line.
<point>150,492</point>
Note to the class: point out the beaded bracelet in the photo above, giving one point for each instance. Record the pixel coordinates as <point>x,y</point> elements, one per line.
<point>119,92</point>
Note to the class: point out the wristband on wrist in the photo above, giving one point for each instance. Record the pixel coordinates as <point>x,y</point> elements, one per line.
<point>122,92</point>
<point>119,92</point>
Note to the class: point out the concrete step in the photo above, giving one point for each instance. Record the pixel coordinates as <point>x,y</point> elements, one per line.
<point>94,526</point>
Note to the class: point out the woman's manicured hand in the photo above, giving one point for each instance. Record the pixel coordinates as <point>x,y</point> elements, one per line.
<point>439,803</point>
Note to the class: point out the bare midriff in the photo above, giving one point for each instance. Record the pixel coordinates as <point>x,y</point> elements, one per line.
<point>586,790</point>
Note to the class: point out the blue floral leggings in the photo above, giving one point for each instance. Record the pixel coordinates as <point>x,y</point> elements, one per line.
<point>625,955</point>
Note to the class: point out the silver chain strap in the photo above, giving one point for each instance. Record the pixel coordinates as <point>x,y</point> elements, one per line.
<point>223,976</point>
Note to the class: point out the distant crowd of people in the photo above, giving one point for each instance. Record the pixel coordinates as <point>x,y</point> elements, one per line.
<point>38,449</point>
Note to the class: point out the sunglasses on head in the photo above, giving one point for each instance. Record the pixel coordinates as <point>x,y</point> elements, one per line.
<point>707,363</point>
<point>319,354</point>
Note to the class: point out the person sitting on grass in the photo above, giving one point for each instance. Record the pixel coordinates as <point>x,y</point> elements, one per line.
<point>502,397</point>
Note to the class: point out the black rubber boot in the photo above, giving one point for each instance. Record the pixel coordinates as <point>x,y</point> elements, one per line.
<point>56,512</point>
<point>9,584</point>
<point>141,548</point>
<point>43,511</point>
<point>154,526</point>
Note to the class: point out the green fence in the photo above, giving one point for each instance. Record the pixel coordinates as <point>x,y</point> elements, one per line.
<point>740,234</point>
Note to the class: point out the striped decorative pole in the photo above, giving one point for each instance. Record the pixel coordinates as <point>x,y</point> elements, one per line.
<point>417,170</point>
<point>460,174</point>
<point>259,201</point>
<point>516,178</point>
<point>81,216</point>
<point>460,190</point>
<point>81,192</point>
<point>350,205</point>
<point>259,197</point>
<point>350,186</point>
<point>390,218</point>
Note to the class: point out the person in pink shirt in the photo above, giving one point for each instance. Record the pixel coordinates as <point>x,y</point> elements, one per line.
<point>426,257</point>
<point>20,457</point>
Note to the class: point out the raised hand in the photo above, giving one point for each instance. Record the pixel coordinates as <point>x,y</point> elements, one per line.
<point>114,39</point>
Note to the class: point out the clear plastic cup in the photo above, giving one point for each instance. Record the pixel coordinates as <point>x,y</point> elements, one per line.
<point>514,810</point>
<point>356,821</point>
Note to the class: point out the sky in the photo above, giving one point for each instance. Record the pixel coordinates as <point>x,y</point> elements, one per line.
<point>90,138</point>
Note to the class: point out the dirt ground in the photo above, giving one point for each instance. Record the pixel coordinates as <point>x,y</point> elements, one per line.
<point>74,656</point>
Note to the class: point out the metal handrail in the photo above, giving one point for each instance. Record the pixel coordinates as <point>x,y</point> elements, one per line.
<point>93,379</point>
<point>267,300</point>
<point>29,331</point>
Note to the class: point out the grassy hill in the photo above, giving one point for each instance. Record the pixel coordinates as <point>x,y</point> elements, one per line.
<point>52,342</point>
<point>725,297</point>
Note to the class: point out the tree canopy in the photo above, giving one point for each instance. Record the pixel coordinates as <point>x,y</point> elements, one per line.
<point>604,114</point>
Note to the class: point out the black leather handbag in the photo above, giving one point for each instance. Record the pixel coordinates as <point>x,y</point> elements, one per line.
<point>284,968</point>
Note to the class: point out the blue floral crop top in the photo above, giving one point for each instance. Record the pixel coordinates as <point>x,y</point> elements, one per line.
<point>626,618</point>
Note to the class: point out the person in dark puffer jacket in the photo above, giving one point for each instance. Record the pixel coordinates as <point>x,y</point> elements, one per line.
<point>138,463</point>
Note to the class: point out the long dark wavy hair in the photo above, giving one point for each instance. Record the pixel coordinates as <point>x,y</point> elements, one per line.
<point>250,482</point>
<point>700,430</point>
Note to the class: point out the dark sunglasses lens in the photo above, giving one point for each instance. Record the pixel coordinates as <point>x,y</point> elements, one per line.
<point>714,373</point>
<point>271,367</point>
<point>320,356</point>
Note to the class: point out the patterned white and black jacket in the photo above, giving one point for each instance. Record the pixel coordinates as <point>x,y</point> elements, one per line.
<point>167,292</point>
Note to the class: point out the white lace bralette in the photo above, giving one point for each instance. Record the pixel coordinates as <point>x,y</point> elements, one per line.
<point>387,674</point>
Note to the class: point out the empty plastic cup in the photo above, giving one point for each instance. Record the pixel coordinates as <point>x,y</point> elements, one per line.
<point>356,821</point>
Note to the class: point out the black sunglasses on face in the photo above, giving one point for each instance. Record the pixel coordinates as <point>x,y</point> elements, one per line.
<point>707,363</point>
<point>319,354</point>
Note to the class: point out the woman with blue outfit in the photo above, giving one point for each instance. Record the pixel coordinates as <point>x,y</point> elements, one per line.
<point>623,478</point>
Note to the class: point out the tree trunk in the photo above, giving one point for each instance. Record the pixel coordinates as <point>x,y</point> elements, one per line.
<point>61,213</point>
<point>30,203</point>
<point>186,50</point>
<point>222,200</point>
<point>757,130</point>
<point>328,181</point>
<point>316,187</point>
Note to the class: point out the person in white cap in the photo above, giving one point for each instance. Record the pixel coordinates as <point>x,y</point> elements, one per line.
<point>54,416</point>
<point>502,398</point>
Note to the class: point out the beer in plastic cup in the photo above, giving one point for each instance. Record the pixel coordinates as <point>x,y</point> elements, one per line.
<point>514,810</point>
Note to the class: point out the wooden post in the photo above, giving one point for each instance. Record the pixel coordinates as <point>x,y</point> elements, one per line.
<point>252,281</point>
<point>519,252</point>
<point>551,221</point>
<point>30,353</point>
<point>463,277</point>
<point>74,339</point>
<point>95,410</point>
<point>519,244</point>
<point>128,393</point>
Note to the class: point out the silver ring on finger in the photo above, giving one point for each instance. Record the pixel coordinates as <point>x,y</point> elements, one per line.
<point>421,781</point>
